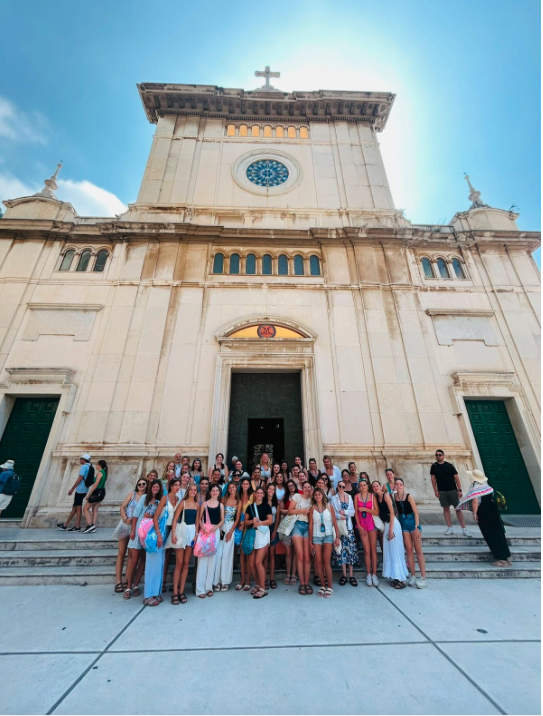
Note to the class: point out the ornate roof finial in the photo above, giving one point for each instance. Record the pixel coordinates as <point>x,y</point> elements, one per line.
<point>50,185</point>
<point>474,195</point>
<point>267,73</point>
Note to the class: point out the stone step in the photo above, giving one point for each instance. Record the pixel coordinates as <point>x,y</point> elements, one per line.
<point>39,575</point>
<point>481,553</point>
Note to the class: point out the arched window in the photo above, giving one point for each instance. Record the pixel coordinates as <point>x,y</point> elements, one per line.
<point>101,259</point>
<point>315,265</point>
<point>234,263</point>
<point>427,268</point>
<point>442,268</point>
<point>291,132</point>
<point>231,130</point>
<point>458,270</point>
<point>67,260</point>
<point>282,265</point>
<point>267,265</point>
<point>298,265</point>
<point>304,133</point>
<point>279,132</point>
<point>218,263</point>
<point>250,264</point>
<point>83,261</point>
<point>267,131</point>
<point>255,130</point>
<point>242,130</point>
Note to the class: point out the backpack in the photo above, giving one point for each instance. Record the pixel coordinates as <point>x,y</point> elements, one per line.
<point>12,485</point>
<point>89,479</point>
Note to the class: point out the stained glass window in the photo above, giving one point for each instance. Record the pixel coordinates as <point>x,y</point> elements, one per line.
<point>234,263</point>
<point>282,265</point>
<point>218,263</point>
<point>298,265</point>
<point>458,270</point>
<point>83,261</point>
<point>267,172</point>
<point>250,263</point>
<point>101,259</point>
<point>442,267</point>
<point>67,260</point>
<point>427,268</point>
<point>315,265</point>
<point>267,265</point>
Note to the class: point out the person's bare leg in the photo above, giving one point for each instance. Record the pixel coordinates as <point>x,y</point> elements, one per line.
<point>259,566</point>
<point>140,567</point>
<point>373,550</point>
<point>288,560</point>
<point>87,513</point>
<point>297,543</point>
<point>95,514</point>
<point>271,560</point>
<point>306,564</point>
<point>417,542</point>
<point>460,518</point>
<point>408,544</point>
<point>185,571</point>
<point>121,554</point>
<point>133,556</point>
<point>318,564</point>
<point>72,514</point>
<point>447,516</point>
<point>327,563</point>
<point>179,559</point>
<point>367,556</point>
<point>78,512</point>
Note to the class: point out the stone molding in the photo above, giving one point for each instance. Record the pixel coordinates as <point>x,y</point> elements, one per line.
<point>239,169</point>
<point>60,376</point>
<point>222,335</point>
<point>460,312</point>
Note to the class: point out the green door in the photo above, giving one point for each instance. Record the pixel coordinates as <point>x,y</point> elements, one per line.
<point>501,456</point>
<point>24,441</point>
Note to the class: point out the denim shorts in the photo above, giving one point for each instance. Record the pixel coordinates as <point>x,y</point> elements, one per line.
<point>407,523</point>
<point>301,529</point>
<point>323,539</point>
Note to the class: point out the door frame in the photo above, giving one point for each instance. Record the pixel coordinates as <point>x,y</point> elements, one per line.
<point>502,386</point>
<point>39,383</point>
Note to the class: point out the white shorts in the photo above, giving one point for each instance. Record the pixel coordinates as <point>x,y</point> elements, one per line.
<point>5,500</point>
<point>262,538</point>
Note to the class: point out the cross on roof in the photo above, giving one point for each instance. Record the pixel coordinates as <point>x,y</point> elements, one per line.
<point>267,73</point>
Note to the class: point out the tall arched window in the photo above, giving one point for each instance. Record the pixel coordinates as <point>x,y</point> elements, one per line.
<point>314,265</point>
<point>282,265</point>
<point>458,270</point>
<point>231,130</point>
<point>279,132</point>
<point>291,132</point>
<point>304,133</point>
<point>242,130</point>
<point>267,265</point>
<point>234,263</point>
<point>101,259</point>
<point>427,268</point>
<point>83,261</point>
<point>442,268</point>
<point>250,264</point>
<point>298,265</point>
<point>67,260</point>
<point>255,130</point>
<point>218,263</point>
<point>267,131</point>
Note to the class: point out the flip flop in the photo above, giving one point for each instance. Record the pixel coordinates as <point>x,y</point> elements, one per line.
<point>239,587</point>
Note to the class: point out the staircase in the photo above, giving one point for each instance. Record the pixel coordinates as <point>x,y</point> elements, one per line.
<point>46,556</point>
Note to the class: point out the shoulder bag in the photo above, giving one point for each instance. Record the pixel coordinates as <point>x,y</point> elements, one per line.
<point>206,544</point>
<point>151,540</point>
<point>180,533</point>
<point>341,524</point>
<point>377,521</point>
<point>248,542</point>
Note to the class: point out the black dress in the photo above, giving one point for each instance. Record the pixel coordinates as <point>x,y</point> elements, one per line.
<point>491,527</point>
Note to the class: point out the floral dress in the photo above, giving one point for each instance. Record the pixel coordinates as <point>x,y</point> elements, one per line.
<point>349,549</point>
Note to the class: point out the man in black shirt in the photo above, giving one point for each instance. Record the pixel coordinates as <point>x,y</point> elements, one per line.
<point>448,489</point>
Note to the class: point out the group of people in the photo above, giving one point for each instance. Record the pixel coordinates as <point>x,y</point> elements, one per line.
<point>316,517</point>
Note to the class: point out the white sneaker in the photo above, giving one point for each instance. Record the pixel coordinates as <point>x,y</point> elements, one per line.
<point>375,581</point>
<point>449,531</point>
<point>421,583</point>
<point>369,581</point>
<point>465,532</point>
<point>411,580</point>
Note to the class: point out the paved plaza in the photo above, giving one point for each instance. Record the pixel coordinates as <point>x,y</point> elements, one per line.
<point>462,646</point>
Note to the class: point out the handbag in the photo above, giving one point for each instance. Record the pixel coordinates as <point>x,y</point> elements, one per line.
<point>287,525</point>
<point>180,534</point>
<point>248,542</point>
<point>238,536</point>
<point>143,529</point>
<point>97,495</point>
<point>341,524</point>
<point>151,541</point>
<point>122,531</point>
<point>378,522</point>
<point>206,544</point>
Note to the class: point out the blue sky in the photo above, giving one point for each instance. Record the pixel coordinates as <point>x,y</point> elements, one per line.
<point>466,76</point>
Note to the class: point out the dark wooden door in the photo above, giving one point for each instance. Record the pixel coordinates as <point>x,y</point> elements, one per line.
<point>262,396</point>
<point>265,435</point>
<point>502,460</point>
<point>24,441</point>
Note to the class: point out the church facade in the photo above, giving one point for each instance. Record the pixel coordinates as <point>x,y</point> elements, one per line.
<point>263,293</point>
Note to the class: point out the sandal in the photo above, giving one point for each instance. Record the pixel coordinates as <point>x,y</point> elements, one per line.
<point>201,596</point>
<point>136,591</point>
<point>286,580</point>
<point>209,594</point>
<point>293,581</point>
<point>119,588</point>
<point>273,584</point>
<point>317,582</point>
<point>247,587</point>
<point>224,588</point>
<point>217,588</point>
<point>301,589</point>
<point>260,594</point>
<point>254,590</point>
<point>266,585</point>
<point>400,585</point>
<point>329,592</point>
<point>343,581</point>
<point>127,594</point>
<point>175,599</point>
<point>182,598</point>
<point>308,589</point>
<point>321,592</point>
<point>353,582</point>
<point>154,602</point>
<point>394,582</point>
<point>239,587</point>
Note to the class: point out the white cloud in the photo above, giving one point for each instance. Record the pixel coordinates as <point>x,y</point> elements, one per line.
<point>86,198</point>
<point>19,126</point>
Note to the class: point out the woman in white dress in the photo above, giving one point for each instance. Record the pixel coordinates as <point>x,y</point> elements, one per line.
<point>394,566</point>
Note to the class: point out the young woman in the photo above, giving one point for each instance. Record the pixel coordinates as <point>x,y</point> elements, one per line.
<point>154,561</point>
<point>146,507</point>
<point>322,523</point>
<point>313,472</point>
<point>256,479</point>
<point>301,468</point>
<point>174,497</point>
<point>408,515</point>
<point>169,467</point>
<point>196,471</point>
<point>349,487</point>
<point>389,487</point>
<point>343,505</point>
<point>325,484</point>
<point>219,465</point>
<point>265,467</point>
<point>394,566</point>
<point>259,516</point>
<point>211,511</point>
<point>273,502</point>
<point>290,556</point>
<point>95,496</point>
<point>123,529</point>
<point>300,506</point>
<point>285,470</point>
<point>298,478</point>
<point>224,567</point>
<point>276,470</point>
<point>185,482</point>
<point>166,482</point>
<point>280,485</point>
<point>203,490</point>
<point>246,498</point>
<point>364,509</point>
<point>187,512</point>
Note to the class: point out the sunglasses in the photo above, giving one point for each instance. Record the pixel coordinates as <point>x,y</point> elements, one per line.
<point>142,484</point>
<point>438,454</point>
<point>343,486</point>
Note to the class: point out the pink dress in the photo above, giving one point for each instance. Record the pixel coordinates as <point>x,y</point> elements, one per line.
<point>367,521</point>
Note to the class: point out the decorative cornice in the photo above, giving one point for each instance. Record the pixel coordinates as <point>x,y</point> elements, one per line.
<point>65,306</point>
<point>62,376</point>
<point>236,104</point>
<point>459,312</point>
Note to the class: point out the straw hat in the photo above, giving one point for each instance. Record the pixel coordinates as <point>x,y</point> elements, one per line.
<point>478,476</point>
<point>8,465</point>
